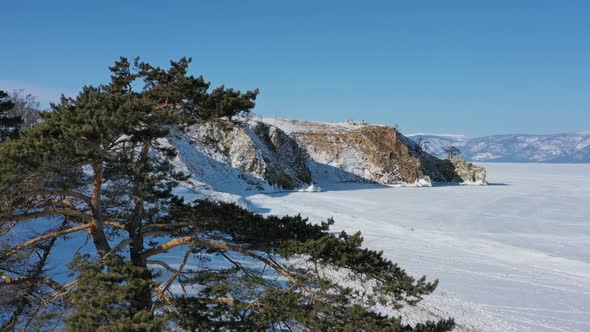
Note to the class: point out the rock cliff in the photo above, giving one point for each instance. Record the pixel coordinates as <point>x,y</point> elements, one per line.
<point>374,153</point>
<point>290,154</point>
<point>264,154</point>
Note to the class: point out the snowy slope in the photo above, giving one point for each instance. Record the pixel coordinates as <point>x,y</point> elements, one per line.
<point>561,148</point>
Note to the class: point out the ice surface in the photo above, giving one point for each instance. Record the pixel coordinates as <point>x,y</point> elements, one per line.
<point>511,256</point>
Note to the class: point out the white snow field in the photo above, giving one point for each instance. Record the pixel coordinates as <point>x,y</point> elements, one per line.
<point>511,256</point>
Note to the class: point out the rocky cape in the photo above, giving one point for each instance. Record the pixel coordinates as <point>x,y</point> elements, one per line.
<point>275,154</point>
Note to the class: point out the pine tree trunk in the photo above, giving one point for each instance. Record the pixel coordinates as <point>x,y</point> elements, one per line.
<point>97,231</point>
<point>144,299</point>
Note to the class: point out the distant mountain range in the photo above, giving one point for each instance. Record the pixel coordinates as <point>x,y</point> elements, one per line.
<point>557,148</point>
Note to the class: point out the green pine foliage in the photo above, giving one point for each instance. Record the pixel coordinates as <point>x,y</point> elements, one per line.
<point>99,164</point>
<point>104,298</point>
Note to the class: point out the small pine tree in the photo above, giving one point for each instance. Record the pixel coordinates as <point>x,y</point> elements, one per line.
<point>10,123</point>
<point>423,144</point>
<point>452,152</point>
<point>27,107</point>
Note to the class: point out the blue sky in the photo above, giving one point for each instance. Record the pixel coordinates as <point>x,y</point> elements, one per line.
<point>465,67</point>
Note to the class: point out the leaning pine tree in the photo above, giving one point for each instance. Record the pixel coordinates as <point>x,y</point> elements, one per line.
<point>99,167</point>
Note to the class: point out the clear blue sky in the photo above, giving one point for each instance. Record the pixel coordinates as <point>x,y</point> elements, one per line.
<point>466,67</point>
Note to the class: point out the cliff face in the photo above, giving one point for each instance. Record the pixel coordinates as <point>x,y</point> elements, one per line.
<point>376,153</point>
<point>261,152</point>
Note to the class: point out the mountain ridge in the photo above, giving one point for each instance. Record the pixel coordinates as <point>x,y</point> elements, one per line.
<point>548,148</point>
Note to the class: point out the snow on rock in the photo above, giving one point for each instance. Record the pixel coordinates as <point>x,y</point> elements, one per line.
<point>355,152</point>
<point>311,189</point>
<point>425,182</point>
<point>228,158</point>
<point>241,157</point>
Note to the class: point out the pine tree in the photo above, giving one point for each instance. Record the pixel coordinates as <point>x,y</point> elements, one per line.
<point>10,123</point>
<point>20,294</point>
<point>452,152</point>
<point>27,107</point>
<point>99,164</point>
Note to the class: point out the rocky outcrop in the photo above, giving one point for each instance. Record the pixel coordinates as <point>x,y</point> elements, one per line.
<point>290,154</point>
<point>468,172</point>
<point>374,153</point>
<point>255,148</point>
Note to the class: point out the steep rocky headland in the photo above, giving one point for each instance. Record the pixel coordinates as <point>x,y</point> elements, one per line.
<point>292,154</point>
<point>375,153</point>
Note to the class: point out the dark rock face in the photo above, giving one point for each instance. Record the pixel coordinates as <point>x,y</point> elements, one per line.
<point>286,161</point>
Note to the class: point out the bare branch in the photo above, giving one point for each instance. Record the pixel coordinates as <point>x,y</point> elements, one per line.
<point>68,193</point>
<point>236,264</point>
<point>6,228</point>
<point>46,213</point>
<point>10,281</point>
<point>164,265</point>
<point>218,300</point>
<point>225,246</point>
<point>171,225</point>
<point>166,284</point>
<point>64,290</point>
<point>31,242</point>
<point>115,224</point>
<point>168,245</point>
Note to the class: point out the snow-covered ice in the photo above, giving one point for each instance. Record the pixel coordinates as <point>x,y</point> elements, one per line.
<point>511,256</point>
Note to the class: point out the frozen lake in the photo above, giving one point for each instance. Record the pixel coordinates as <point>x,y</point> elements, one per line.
<point>514,255</point>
